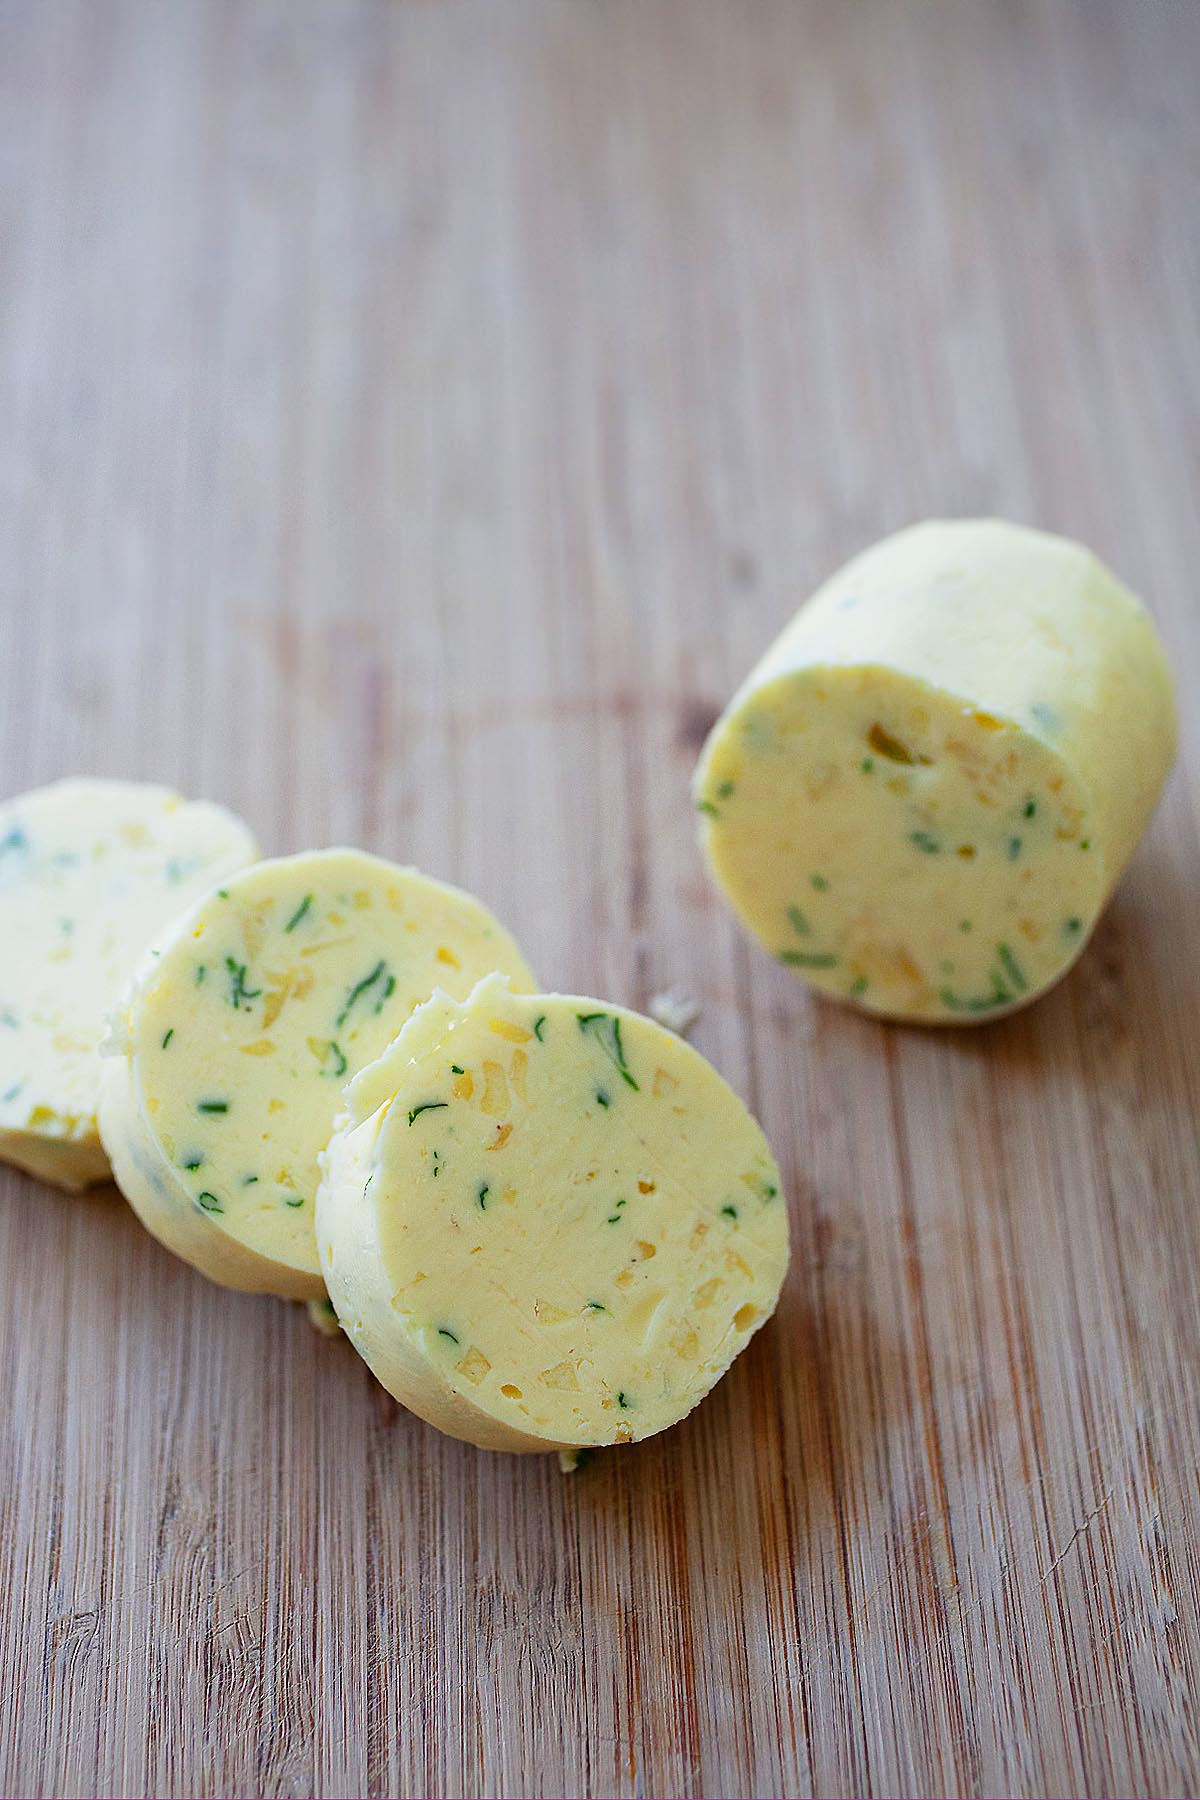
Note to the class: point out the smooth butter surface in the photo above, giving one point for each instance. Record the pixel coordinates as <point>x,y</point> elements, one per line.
<point>239,1036</point>
<point>90,872</point>
<point>548,1222</point>
<point>923,795</point>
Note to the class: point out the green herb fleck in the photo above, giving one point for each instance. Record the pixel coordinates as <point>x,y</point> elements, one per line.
<point>976,1003</point>
<point>167,1036</point>
<point>1011,967</point>
<point>726,791</point>
<point>868,763</point>
<point>222,893</point>
<point>193,1162</point>
<point>482,1196</point>
<point>238,991</point>
<point>596,1306</point>
<point>820,883</point>
<point>212,1106</point>
<point>444,1331</point>
<point>766,1190</point>
<point>1029,811</point>
<point>798,921</point>
<point>201,972</point>
<point>623,1401</point>
<point>249,1180</point>
<point>858,986</point>
<point>209,1202</point>
<point>1085,844</point>
<point>964,924</point>
<point>607,1032</point>
<point>729,1212</point>
<point>389,988</point>
<point>426,1106</point>
<point>358,990</point>
<point>537,1028</point>
<point>808,959</point>
<point>602,1098</point>
<point>457,1069</point>
<point>706,806</point>
<point>1014,848</point>
<point>327,1052</point>
<point>299,913</point>
<point>1073,925</point>
<point>925,841</point>
<point>294,1200</point>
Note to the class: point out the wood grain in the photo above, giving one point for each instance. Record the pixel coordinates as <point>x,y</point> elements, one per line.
<point>413,421</point>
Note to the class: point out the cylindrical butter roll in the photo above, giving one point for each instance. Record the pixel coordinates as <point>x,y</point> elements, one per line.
<point>923,795</point>
<point>240,1032</point>
<point>90,872</point>
<point>547,1222</point>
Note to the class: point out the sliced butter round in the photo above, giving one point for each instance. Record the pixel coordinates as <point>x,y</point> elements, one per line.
<point>546,1222</point>
<point>90,872</point>
<point>240,1032</point>
<point>923,795</point>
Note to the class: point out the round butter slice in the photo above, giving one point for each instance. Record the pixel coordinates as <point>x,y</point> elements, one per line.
<point>546,1222</point>
<point>90,872</point>
<point>241,1031</point>
<point>923,795</point>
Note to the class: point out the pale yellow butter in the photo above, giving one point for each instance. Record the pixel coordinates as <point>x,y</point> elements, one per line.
<point>237,1038</point>
<point>546,1222</point>
<point>90,872</point>
<point>925,792</point>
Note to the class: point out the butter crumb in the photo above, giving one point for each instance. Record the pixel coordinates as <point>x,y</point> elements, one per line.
<point>675,1010</point>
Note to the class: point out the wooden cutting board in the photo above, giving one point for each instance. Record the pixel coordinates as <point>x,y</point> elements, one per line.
<point>414,419</point>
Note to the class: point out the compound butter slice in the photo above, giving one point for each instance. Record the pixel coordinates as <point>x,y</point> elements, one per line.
<point>238,1036</point>
<point>546,1222</point>
<point>923,795</point>
<point>90,872</point>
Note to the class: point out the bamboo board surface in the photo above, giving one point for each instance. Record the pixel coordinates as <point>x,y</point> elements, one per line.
<point>414,419</point>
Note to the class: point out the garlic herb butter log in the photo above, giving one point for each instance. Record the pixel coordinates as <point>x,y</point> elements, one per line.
<point>90,872</point>
<point>924,794</point>
<point>238,1037</point>
<point>547,1222</point>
